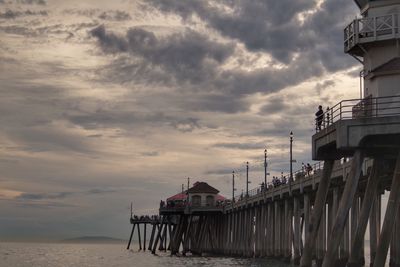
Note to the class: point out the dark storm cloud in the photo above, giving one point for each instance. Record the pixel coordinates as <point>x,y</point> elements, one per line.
<point>271,26</point>
<point>186,55</point>
<point>192,62</point>
<point>115,15</point>
<point>261,25</point>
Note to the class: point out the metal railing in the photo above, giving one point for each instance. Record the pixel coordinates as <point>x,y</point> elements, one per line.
<point>370,29</point>
<point>297,175</point>
<point>368,107</point>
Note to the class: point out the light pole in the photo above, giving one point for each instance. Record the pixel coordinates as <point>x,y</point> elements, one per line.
<point>265,167</point>
<point>291,163</point>
<point>247,179</point>
<point>291,156</point>
<point>233,186</point>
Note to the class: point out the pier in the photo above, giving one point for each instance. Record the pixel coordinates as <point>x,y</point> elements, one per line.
<point>319,217</point>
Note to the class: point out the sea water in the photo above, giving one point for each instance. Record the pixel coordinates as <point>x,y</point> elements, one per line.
<point>108,255</point>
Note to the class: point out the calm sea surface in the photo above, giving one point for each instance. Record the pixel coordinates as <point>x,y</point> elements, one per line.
<point>107,255</point>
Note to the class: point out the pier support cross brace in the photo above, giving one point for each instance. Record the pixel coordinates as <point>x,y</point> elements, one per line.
<point>315,220</point>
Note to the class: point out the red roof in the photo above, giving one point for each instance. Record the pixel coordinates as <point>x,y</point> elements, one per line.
<point>220,198</point>
<point>179,196</point>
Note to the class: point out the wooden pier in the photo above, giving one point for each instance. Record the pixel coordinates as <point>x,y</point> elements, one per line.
<point>319,217</point>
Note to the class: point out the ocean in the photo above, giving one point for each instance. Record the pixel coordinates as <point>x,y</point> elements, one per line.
<point>108,255</point>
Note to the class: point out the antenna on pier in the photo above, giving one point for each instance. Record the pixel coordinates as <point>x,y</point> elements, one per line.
<point>188,183</point>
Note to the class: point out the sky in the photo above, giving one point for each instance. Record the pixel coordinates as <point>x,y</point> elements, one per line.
<point>104,103</point>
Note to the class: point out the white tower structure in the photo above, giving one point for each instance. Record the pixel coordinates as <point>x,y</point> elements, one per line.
<point>373,39</point>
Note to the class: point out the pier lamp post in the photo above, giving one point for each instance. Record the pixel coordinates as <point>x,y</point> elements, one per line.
<point>265,167</point>
<point>247,179</point>
<point>291,163</point>
<point>233,187</point>
<point>291,156</point>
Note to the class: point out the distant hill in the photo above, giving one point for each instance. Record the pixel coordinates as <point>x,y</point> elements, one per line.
<point>93,239</point>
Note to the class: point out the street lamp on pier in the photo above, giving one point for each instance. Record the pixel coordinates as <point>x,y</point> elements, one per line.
<point>265,167</point>
<point>291,156</point>
<point>247,179</point>
<point>233,186</point>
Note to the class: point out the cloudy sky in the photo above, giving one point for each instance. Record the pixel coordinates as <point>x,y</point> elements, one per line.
<point>107,102</point>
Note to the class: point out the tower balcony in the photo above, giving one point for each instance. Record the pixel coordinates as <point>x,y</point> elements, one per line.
<point>370,29</point>
<point>372,123</point>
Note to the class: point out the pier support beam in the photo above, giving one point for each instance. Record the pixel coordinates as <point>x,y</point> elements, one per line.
<point>153,230</point>
<point>140,241</point>
<point>390,217</point>
<point>297,232</point>
<point>270,230</point>
<point>277,230</point>
<point>356,259</point>
<point>321,239</point>
<point>130,238</point>
<point>344,207</point>
<point>311,230</point>
<point>395,245</point>
<point>153,250</point>
<point>375,227</point>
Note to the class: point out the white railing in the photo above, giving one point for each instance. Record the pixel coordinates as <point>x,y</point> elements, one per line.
<point>370,29</point>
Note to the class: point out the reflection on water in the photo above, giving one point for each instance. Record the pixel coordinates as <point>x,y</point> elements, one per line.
<point>110,255</point>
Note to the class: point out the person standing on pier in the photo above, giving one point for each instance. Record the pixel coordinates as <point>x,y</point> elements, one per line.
<point>319,117</point>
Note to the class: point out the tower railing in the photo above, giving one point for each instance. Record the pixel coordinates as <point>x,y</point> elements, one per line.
<point>368,29</point>
<point>368,107</point>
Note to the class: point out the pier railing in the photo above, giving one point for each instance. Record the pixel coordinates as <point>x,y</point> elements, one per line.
<point>368,29</point>
<point>368,107</point>
<point>283,180</point>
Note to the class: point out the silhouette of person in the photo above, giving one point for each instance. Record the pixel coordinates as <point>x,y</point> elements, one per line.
<point>319,117</point>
